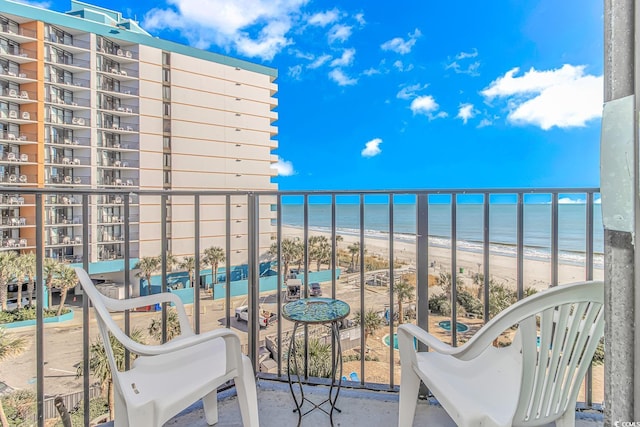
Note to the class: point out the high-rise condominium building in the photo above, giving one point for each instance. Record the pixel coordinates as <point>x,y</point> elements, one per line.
<point>90,100</point>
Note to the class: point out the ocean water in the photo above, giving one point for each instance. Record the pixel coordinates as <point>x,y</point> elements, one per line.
<point>572,230</point>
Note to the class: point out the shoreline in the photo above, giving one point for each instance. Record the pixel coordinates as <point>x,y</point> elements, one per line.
<point>502,267</point>
<point>533,252</point>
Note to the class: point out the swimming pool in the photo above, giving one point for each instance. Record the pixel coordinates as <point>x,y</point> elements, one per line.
<point>446,325</point>
<point>395,341</point>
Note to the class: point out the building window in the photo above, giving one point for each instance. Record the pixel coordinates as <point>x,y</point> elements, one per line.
<point>166,109</point>
<point>166,58</point>
<point>166,75</point>
<point>167,177</point>
<point>166,160</point>
<point>166,92</point>
<point>166,125</point>
<point>166,142</point>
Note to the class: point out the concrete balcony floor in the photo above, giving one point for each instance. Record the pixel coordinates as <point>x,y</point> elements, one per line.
<point>359,408</point>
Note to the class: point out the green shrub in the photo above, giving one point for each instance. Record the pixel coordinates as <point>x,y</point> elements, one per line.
<point>20,407</point>
<point>27,313</point>
<point>471,304</point>
<point>440,304</point>
<point>97,407</point>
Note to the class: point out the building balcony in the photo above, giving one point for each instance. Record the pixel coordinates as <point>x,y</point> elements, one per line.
<point>19,35</point>
<point>18,54</point>
<point>73,84</point>
<point>68,44</point>
<point>72,65</point>
<point>121,91</point>
<point>18,138</point>
<point>12,157</point>
<point>75,104</point>
<point>120,74</point>
<point>18,96</point>
<point>120,55</point>
<point>464,238</point>
<point>75,142</point>
<point>18,76</point>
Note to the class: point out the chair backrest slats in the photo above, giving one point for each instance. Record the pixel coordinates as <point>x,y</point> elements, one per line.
<point>558,344</point>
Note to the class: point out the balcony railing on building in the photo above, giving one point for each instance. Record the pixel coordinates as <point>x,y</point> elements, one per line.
<point>380,227</point>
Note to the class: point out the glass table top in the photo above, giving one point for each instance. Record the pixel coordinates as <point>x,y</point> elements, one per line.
<point>315,310</point>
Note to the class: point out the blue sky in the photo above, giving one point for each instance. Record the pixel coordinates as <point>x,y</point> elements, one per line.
<point>413,94</point>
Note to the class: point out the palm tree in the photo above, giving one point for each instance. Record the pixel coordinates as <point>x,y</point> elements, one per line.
<point>354,250</point>
<point>372,322</point>
<point>99,363</point>
<point>404,292</point>
<point>189,265</point>
<point>290,253</point>
<point>444,280</point>
<point>173,326</point>
<point>339,239</point>
<point>7,272</point>
<point>65,280</point>
<point>9,346</point>
<point>172,261</point>
<point>28,267</point>
<point>322,252</point>
<point>51,268</point>
<point>213,256</point>
<point>147,266</point>
<point>319,358</point>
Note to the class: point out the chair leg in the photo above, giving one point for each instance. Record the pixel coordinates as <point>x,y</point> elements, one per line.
<point>210,404</point>
<point>247,394</point>
<point>568,419</point>
<point>409,387</point>
<point>121,417</point>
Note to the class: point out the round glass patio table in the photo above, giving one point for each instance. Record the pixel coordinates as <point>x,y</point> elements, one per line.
<point>311,311</point>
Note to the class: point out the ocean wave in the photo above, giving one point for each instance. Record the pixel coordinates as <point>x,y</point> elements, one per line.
<point>539,253</point>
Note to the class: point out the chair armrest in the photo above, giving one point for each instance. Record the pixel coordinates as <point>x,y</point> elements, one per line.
<point>131,303</point>
<point>183,342</point>
<point>409,331</point>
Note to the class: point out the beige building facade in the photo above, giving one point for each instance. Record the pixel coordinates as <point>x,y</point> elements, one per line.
<point>89,100</point>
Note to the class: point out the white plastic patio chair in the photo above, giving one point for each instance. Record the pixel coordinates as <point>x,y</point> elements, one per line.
<point>528,383</point>
<point>167,378</point>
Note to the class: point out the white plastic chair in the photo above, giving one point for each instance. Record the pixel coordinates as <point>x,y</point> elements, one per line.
<point>167,378</point>
<point>528,383</point>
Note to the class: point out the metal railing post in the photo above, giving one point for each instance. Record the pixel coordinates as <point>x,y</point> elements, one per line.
<point>40,310</point>
<point>253,292</point>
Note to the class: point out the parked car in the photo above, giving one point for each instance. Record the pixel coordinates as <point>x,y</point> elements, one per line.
<point>266,317</point>
<point>315,290</point>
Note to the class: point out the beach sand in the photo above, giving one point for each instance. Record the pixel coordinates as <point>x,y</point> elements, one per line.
<point>502,269</point>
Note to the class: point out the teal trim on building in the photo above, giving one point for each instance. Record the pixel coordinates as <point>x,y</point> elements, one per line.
<point>118,31</point>
<point>104,267</point>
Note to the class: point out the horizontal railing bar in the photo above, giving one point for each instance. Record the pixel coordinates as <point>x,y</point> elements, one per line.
<point>478,192</point>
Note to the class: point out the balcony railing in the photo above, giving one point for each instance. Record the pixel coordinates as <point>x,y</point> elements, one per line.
<point>456,245</point>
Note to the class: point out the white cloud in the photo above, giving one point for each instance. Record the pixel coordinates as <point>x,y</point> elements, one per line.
<point>409,92</point>
<point>570,201</point>
<point>371,71</point>
<point>427,105</point>
<point>399,45</point>
<point>284,167</point>
<point>340,33</point>
<point>256,28</point>
<point>345,60</point>
<point>484,123</point>
<point>338,76</point>
<point>564,97</point>
<point>40,4</point>
<point>319,61</point>
<point>322,19</point>
<point>399,65</point>
<point>359,17</point>
<point>295,72</point>
<point>597,200</point>
<point>372,148</point>
<point>461,66</point>
<point>466,112</point>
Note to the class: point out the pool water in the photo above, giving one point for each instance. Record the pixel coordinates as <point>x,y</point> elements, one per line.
<point>395,341</point>
<point>446,325</point>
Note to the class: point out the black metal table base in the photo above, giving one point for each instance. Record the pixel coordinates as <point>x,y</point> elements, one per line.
<point>335,384</point>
